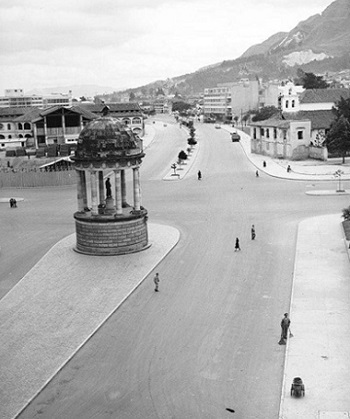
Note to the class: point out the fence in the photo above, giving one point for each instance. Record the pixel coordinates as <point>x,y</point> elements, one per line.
<point>37,179</point>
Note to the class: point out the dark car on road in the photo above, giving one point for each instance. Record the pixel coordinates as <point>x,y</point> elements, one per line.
<point>235,137</point>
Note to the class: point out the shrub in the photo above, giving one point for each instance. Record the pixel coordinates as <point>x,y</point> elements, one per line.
<point>182,155</point>
<point>346,214</point>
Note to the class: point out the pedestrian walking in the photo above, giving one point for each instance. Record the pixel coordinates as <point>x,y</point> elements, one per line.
<point>285,323</point>
<point>264,163</point>
<point>237,247</point>
<point>253,232</point>
<point>156,282</point>
<point>199,175</point>
<point>257,173</point>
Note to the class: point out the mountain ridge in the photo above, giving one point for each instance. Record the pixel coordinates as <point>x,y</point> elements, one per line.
<point>319,44</point>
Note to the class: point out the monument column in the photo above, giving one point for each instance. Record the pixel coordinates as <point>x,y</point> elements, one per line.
<point>101,187</point>
<point>80,191</point>
<point>137,194</point>
<point>123,186</point>
<point>94,200</point>
<point>118,193</point>
<point>83,188</point>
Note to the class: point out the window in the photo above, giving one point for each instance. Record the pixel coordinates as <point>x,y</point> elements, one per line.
<point>10,136</point>
<point>254,133</point>
<point>275,133</point>
<point>267,133</point>
<point>287,103</point>
<point>20,126</point>
<point>300,135</point>
<point>284,134</point>
<point>262,132</point>
<point>8,126</point>
<point>293,103</point>
<point>27,125</point>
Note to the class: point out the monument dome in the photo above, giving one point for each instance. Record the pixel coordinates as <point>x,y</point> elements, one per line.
<point>106,138</point>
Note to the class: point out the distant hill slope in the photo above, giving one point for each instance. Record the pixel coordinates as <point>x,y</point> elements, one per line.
<point>318,44</point>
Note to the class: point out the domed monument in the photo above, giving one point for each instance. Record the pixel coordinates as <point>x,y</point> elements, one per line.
<point>105,223</point>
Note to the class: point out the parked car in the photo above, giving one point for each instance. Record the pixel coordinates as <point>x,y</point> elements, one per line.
<point>235,137</point>
<point>209,120</point>
<point>217,126</point>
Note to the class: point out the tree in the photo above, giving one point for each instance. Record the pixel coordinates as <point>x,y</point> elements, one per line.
<point>311,81</point>
<point>132,97</point>
<point>160,92</point>
<point>342,108</point>
<point>182,155</point>
<point>180,106</point>
<point>265,113</point>
<point>338,137</point>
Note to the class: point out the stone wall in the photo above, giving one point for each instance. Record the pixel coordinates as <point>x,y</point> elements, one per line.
<point>318,153</point>
<point>111,237</point>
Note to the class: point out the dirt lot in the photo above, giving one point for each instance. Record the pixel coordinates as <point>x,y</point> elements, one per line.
<point>22,163</point>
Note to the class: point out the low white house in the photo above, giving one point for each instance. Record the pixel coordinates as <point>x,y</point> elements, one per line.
<point>280,138</point>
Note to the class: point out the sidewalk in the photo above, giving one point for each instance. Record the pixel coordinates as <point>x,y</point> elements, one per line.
<point>320,313</point>
<point>311,170</point>
<point>59,304</point>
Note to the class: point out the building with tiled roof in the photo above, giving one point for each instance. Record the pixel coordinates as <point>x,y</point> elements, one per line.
<point>32,126</point>
<point>16,130</point>
<point>327,97</point>
<point>281,138</point>
<point>129,114</point>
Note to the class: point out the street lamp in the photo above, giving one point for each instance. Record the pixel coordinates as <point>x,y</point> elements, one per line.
<point>173,166</point>
<point>338,174</point>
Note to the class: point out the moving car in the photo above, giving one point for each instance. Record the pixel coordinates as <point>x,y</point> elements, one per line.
<point>235,137</point>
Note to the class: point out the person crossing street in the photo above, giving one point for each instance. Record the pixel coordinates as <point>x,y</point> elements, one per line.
<point>156,282</point>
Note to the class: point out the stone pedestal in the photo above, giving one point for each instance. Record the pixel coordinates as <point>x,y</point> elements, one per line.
<point>110,209</point>
<point>110,235</point>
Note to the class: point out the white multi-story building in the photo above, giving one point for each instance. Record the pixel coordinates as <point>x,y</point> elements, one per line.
<point>231,99</point>
<point>217,101</point>
<point>15,98</point>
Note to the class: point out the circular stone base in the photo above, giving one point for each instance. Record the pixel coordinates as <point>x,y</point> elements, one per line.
<point>112,236</point>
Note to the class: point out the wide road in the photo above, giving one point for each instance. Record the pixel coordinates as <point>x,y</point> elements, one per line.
<point>208,340</point>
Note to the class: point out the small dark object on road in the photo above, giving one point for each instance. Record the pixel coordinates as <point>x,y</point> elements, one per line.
<point>199,175</point>
<point>298,388</point>
<point>235,137</point>
<point>237,247</point>
<point>264,163</point>
<point>230,410</point>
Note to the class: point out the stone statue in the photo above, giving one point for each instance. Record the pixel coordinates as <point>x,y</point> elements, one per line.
<point>108,188</point>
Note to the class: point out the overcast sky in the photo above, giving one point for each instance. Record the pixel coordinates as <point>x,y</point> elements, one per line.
<point>129,43</point>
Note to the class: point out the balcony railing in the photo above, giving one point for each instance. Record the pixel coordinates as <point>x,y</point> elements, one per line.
<point>59,131</point>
